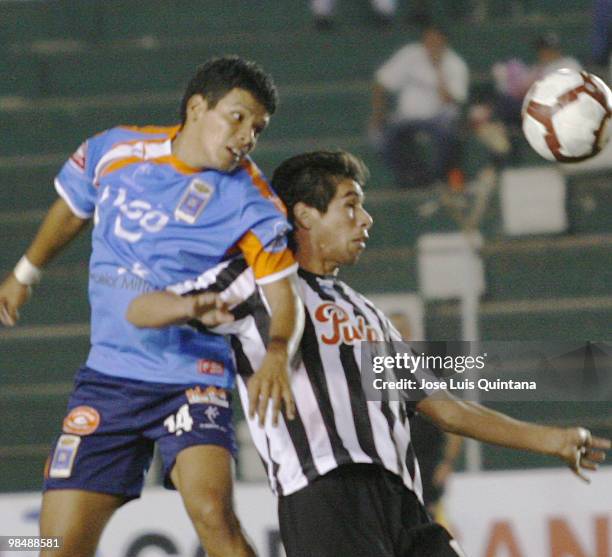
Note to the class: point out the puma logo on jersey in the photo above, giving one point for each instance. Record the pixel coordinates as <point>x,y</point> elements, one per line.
<point>341,329</point>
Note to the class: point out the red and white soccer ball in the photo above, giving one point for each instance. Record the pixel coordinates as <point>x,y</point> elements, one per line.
<point>566,115</point>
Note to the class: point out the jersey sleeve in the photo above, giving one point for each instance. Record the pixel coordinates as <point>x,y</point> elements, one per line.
<point>235,284</point>
<point>75,182</point>
<point>264,244</point>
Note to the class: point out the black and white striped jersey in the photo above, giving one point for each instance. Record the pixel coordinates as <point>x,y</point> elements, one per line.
<point>335,424</point>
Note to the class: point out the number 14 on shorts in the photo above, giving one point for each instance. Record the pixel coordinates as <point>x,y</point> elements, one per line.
<point>179,422</point>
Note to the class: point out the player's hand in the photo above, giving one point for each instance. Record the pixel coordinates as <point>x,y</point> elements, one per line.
<point>271,384</point>
<point>13,295</point>
<point>209,309</point>
<point>581,451</point>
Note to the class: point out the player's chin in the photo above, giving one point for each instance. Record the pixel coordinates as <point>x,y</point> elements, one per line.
<point>227,163</point>
<point>353,255</point>
<point>228,166</point>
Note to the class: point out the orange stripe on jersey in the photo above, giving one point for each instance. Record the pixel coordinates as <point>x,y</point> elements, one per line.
<point>177,163</point>
<point>169,131</point>
<point>173,161</point>
<point>116,165</point>
<point>263,186</point>
<point>264,263</point>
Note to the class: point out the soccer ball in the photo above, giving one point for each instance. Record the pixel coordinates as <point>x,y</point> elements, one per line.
<point>566,115</point>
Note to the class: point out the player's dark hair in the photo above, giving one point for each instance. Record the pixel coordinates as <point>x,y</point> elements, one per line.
<point>218,76</point>
<point>312,178</point>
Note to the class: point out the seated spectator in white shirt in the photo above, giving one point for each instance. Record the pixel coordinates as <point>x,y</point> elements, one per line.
<point>430,82</point>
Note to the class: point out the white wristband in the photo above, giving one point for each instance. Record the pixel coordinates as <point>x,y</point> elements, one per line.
<point>26,273</point>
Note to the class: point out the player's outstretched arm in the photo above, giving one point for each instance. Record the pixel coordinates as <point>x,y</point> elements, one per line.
<point>271,381</point>
<point>58,228</point>
<point>574,446</point>
<point>163,308</point>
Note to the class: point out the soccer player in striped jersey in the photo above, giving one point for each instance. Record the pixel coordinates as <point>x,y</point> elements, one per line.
<point>344,469</point>
<point>167,204</point>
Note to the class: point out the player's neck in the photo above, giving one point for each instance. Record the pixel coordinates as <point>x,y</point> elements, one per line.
<point>182,149</point>
<point>309,260</point>
<point>319,270</point>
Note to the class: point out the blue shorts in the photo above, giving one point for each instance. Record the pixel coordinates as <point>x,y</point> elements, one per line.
<point>112,425</point>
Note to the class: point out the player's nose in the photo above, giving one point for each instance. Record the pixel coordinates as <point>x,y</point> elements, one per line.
<point>247,137</point>
<point>365,219</point>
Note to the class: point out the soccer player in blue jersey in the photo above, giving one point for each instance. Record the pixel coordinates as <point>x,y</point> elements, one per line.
<point>167,204</point>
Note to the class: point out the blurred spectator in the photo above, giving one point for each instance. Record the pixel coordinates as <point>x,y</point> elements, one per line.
<point>430,81</point>
<point>513,78</point>
<point>602,34</point>
<point>551,57</point>
<point>323,11</point>
<point>490,132</point>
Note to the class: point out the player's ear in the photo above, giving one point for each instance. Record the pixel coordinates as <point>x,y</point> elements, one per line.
<point>196,105</point>
<point>303,215</point>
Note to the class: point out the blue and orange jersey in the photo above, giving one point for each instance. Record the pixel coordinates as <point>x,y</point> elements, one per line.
<point>157,222</point>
